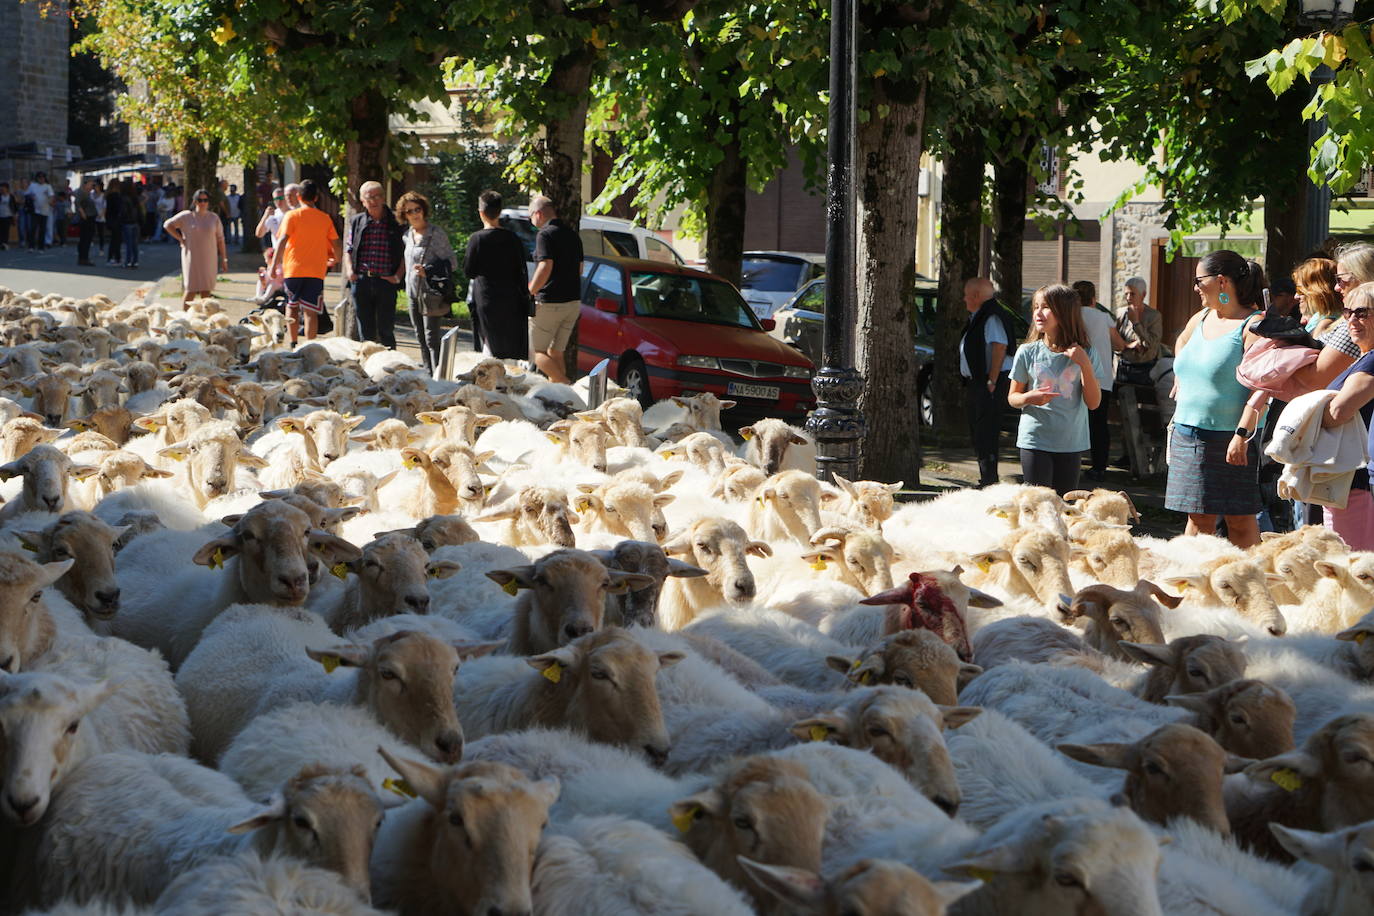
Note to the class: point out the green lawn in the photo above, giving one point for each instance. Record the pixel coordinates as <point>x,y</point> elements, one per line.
<point>460,309</point>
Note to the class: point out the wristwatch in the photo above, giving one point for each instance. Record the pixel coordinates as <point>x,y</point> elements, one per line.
<point>1244,433</point>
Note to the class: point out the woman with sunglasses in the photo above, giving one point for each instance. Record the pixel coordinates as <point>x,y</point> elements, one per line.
<point>427,252</point>
<point>1213,464</point>
<point>201,235</point>
<point>1355,523</point>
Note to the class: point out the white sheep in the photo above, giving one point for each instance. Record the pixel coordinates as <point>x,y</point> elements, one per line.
<point>250,883</point>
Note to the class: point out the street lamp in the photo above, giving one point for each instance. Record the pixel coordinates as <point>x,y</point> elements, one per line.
<point>836,422</point>
<point>1326,15</point>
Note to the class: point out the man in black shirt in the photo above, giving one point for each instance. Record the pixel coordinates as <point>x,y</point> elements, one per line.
<point>556,287</point>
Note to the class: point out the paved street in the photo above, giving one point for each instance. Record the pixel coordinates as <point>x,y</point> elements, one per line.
<point>55,270</point>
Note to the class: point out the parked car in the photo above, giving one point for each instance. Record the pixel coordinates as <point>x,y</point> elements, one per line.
<point>601,235</point>
<point>769,279</point>
<point>800,323</point>
<point>670,330</point>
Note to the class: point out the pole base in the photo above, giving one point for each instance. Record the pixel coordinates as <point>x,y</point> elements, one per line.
<point>836,423</point>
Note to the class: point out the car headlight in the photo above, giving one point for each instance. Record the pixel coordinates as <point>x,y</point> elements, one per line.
<point>699,362</point>
<point>796,372</point>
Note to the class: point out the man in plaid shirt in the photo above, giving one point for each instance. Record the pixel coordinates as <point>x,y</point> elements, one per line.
<point>374,252</point>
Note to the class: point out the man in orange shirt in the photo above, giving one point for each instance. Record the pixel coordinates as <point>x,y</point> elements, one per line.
<point>307,246</point>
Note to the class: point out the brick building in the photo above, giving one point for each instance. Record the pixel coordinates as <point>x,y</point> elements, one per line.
<point>33,109</point>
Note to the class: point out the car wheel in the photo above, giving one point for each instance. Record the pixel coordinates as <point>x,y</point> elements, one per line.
<point>927,402</point>
<point>634,378</point>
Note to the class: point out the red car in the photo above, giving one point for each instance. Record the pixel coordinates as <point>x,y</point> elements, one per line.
<point>671,330</point>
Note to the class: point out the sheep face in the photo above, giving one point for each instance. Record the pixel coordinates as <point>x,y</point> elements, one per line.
<point>564,598</point>
<point>270,542</point>
<point>326,817</point>
<point>737,483</point>
<point>1362,650</point>
<point>639,606</point>
<point>1355,575</point>
<point>913,659</point>
<point>177,420</point>
<point>40,714</point>
<point>1078,856</point>
<point>439,531</point>
<point>863,557</point>
<point>541,516</point>
<point>583,441</point>
<point>1190,664</point>
<point>1335,758</point>
<point>461,464</point>
<point>901,728</point>
<point>136,524</point>
<point>625,508</point>
<point>486,822</point>
<point>140,376</point>
<point>1034,506</point>
<point>391,433</point>
<point>50,397</point>
<point>406,680</point>
<point>603,685</point>
<point>1109,554</point>
<point>1113,615</point>
<point>90,584</point>
<point>1111,506</point>
<point>212,454</point>
<point>793,498</point>
<point>1036,564</point>
<point>327,429</point>
<point>393,575</point>
<point>458,424</point>
<point>767,442</point>
<point>1249,718</point>
<point>102,389</point>
<point>1175,771</point>
<point>121,469</point>
<point>762,807</point>
<point>45,471</point>
<point>408,406</point>
<point>115,423</point>
<point>867,886</point>
<point>1348,854</point>
<point>26,630</point>
<point>20,435</point>
<point>870,503</point>
<point>701,449</point>
<point>624,417</point>
<point>720,546</point>
<point>1238,584</point>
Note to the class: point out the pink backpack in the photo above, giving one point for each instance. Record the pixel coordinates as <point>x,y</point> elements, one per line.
<point>1268,369</point>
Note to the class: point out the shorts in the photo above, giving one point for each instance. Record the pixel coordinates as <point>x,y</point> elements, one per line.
<point>552,325</point>
<point>305,292</point>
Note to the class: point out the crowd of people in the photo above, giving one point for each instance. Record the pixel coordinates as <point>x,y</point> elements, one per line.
<point>1253,348</point>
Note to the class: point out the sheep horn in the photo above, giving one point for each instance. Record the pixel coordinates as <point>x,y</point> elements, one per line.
<point>833,533</point>
<point>1076,495</point>
<point>899,595</point>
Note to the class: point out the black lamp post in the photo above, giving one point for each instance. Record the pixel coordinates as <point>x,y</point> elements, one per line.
<point>1327,15</point>
<point>836,422</point>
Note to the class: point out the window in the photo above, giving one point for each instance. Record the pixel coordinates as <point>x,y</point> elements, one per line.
<point>623,243</point>
<point>658,251</point>
<point>771,276</point>
<point>687,298</point>
<point>606,283</point>
<point>813,300</point>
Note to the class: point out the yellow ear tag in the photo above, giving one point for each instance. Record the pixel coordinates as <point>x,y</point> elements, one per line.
<point>410,461</point>
<point>667,456</point>
<point>340,570</point>
<point>330,662</point>
<point>217,558</point>
<point>582,505</point>
<point>1287,780</point>
<point>152,426</point>
<point>429,421</point>
<point>746,436</point>
<point>866,678</point>
<point>855,666</point>
<point>983,565</point>
<point>399,786</point>
<point>1183,586</point>
<point>79,427</point>
<point>1359,637</point>
<point>1001,513</point>
<point>432,573</point>
<point>818,732</point>
<point>554,673</point>
<point>980,874</point>
<point>510,588</point>
<point>683,819</point>
<point>178,456</point>
<point>818,566</point>
<point>554,439</point>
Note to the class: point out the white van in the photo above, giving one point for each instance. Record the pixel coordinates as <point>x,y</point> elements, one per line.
<point>601,235</point>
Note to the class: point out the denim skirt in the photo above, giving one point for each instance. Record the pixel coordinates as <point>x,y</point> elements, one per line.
<point>1200,480</point>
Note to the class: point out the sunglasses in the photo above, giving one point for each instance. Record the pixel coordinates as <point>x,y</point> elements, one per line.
<point>1345,279</point>
<point>1197,281</point>
<point>1359,314</point>
<point>279,197</point>
<point>202,200</point>
<point>409,210</point>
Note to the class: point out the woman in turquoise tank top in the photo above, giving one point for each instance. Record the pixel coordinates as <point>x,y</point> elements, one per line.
<point>1213,461</point>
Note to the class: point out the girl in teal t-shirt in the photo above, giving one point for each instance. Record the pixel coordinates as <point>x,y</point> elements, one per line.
<point>1054,385</point>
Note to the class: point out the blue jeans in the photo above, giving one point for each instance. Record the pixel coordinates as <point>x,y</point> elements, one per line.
<point>131,234</point>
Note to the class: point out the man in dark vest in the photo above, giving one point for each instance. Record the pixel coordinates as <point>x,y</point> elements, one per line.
<point>985,366</point>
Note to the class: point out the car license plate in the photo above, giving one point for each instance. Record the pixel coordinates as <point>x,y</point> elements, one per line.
<point>762,309</point>
<point>740,389</point>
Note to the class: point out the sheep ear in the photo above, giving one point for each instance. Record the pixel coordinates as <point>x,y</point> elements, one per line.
<point>985,559</point>
<point>758,549</point>
<point>867,672</point>
<point>290,425</point>
<point>956,716</point>
<point>663,499</point>
<point>1179,583</point>
<point>846,486</point>
<point>1324,849</point>
<point>622,582</point>
<point>1329,569</point>
<point>679,543</point>
<point>353,423</point>
<point>667,480</point>
<point>998,860</point>
<point>950,891</point>
<point>967,672</point>
<point>216,552</point>
<point>51,572</point>
<point>82,471</point>
<point>349,656</point>
<point>1274,579</point>
<point>684,570</point>
<point>1358,633</point>
<point>552,664</point>
<point>341,515</point>
<point>798,888</point>
<point>1286,770</point>
<point>177,452</point>
<point>688,811</point>
<point>429,783</point>
<point>157,472</point>
<point>500,513</point>
<point>333,549</point>
<point>471,650</point>
<point>1114,755</point>
<point>669,659</point>
<point>516,577</point>
<point>895,487</point>
<point>817,557</point>
<point>1193,702</point>
<point>746,433</point>
<point>487,419</point>
<point>230,521</point>
<point>274,810</point>
<point>1146,587</point>
<point>585,502</point>
<point>977,598</point>
<point>1148,653</point>
<point>442,569</point>
<point>798,440</point>
<point>840,663</point>
<point>250,460</point>
<point>30,540</point>
<point>1234,764</point>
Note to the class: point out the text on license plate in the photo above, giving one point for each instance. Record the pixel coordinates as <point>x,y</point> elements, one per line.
<point>770,392</point>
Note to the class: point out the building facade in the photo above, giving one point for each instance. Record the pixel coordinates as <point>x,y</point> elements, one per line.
<point>33,107</point>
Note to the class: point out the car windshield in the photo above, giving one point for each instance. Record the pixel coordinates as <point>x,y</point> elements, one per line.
<point>770,276</point>
<point>687,298</point>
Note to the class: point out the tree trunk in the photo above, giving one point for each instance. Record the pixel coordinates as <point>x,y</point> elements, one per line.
<point>564,132</point>
<point>367,152</point>
<point>961,225</point>
<point>887,177</point>
<point>202,162</point>
<point>248,209</point>
<point>1010,181</point>
<point>726,202</point>
<point>1285,214</point>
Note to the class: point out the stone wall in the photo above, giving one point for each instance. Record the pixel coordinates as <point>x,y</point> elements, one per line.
<point>33,105</point>
<point>1134,229</point>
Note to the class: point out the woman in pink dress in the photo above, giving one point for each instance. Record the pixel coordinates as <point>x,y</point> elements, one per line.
<point>202,237</point>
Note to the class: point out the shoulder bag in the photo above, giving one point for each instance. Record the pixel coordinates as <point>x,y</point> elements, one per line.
<point>436,286</point>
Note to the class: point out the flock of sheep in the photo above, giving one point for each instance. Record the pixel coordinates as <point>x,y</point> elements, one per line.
<point>310,632</point>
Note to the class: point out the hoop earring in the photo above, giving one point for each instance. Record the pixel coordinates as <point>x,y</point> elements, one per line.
<point>1224,299</point>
